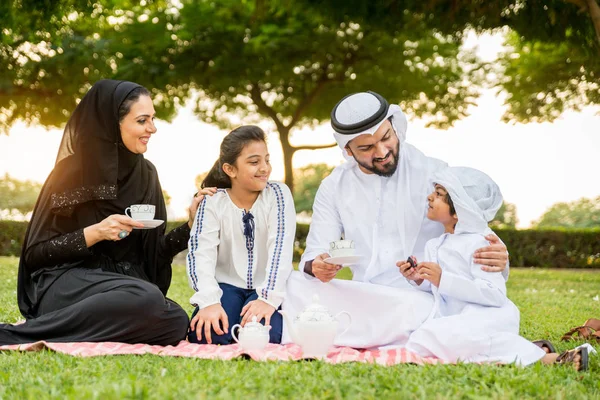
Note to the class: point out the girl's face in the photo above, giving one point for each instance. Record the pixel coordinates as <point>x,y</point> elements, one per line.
<point>252,167</point>
<point>438,209</point>
<point>138,125</point>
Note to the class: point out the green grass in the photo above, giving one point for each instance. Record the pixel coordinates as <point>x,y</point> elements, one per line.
<point>550,301</point>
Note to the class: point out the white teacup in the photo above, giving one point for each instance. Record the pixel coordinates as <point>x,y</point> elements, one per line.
<point>341,248</point>
<point>141,211</point>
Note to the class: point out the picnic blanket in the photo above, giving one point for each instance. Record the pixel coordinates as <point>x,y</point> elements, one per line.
<point>273,352</point>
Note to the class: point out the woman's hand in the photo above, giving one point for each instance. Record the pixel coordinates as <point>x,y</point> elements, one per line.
<point>211,316</point>
<point>493,257</point>
<point>257,308</point>
<point>110,228</point>
<point>431,272</point>
<point>409,272</point>
<point>198,197</point>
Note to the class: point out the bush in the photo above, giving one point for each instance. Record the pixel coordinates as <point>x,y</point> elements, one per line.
<point>556,248</point>
<point>552,248</point>
<point>12,234</point>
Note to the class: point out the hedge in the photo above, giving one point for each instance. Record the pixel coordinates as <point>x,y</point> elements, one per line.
<point>12,234</point>
<point>556,248</point>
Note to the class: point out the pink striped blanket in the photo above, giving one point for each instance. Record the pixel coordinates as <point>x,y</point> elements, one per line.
<point>273,352</point>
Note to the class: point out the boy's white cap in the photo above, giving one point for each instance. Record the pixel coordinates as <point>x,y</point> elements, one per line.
<point>476,197</point>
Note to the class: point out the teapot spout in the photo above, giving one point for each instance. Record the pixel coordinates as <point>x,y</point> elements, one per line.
<point>290,325</point>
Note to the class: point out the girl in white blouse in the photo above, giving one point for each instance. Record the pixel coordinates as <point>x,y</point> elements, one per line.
<point>241,243</point>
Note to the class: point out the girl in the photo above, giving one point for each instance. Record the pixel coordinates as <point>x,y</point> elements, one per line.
<point>472,319</point>
<point>241,243</point>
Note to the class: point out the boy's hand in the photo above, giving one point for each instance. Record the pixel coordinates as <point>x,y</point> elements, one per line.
<point>431,272</point>
<point>410,273</point>
<point>258,308</point>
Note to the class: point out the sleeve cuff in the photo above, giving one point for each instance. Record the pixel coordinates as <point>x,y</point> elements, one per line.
<point>270,302</point>
<point>203,300</point>
<point>447,285</point>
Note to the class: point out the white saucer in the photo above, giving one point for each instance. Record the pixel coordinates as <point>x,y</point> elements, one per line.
<point>344,260</point>
<point>150,223</point>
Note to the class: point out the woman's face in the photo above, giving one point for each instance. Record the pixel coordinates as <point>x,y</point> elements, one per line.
<point>138,125</point>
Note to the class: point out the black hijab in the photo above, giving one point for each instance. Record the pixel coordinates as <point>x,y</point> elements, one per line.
<point>95,176</point>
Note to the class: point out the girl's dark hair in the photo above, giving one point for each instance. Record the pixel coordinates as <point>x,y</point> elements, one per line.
<point>131,98</point>
<point>231,148</point>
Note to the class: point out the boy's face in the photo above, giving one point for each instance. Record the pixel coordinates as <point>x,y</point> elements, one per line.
<point>439,209</point>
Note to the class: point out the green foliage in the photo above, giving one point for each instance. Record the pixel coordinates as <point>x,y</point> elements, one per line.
<point>583,213</point>
<point>18,196</point>
<point>167,197</point>
<point>553,58</point>
<point>12,235</point>
<point>506,217</point>
<point>307,180</point>
<point>556,248</point>
<point>550,302</point>
<point>248,59</point>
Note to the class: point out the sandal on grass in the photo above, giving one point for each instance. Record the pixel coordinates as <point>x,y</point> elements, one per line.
<point>590,330</point>
<point>568,357</point>
<point>545,345</point>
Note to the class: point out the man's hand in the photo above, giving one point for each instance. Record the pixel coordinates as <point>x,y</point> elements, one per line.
<point>210,317</point>
<point>322,270</point>
<point>409,272</point>
<point>258,308</point>
<point>431,272</point>
<point>493,257</point>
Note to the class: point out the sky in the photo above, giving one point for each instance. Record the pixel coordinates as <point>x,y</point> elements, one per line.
<point>535,165</point>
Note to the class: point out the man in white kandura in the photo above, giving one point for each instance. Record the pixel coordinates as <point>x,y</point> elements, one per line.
<point>377,199</point>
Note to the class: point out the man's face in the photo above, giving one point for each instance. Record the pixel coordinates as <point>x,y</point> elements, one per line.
<point>378,153</point>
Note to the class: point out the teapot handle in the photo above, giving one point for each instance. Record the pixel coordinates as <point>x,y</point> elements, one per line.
<point>233,332</point>
<point>349,320</point>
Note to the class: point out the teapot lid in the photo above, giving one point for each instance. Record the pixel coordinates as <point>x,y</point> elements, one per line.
<point>255,326</point>
<point>315,312</point>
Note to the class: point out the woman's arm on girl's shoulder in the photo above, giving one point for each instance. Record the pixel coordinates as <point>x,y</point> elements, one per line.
<point>280,244</point>
<point>176,240</point>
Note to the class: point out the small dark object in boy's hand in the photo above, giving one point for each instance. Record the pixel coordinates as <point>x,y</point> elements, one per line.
<point>411,262</point>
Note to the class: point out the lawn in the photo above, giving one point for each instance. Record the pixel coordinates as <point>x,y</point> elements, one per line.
<point>550,301</point>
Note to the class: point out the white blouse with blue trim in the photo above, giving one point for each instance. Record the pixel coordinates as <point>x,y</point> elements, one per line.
<point>220,252</point>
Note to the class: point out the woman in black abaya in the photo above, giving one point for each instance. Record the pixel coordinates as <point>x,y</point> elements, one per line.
<point>85,273</point>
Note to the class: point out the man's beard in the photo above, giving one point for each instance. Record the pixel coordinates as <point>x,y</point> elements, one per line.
<point>389,170</point>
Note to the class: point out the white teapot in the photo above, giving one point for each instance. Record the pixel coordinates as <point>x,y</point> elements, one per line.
<point>314,329</point>
<point>253,336</point>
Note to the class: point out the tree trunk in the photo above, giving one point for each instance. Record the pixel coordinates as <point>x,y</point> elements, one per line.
<point>594,10</point>
<point>288,156</point>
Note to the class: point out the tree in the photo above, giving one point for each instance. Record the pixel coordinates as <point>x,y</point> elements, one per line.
<point>18,197</point>
<point>167,197</point>
<point>291,61</point>
<point>308,179</point>
<point>506,217</point>
<point>247,59</point>
<point>583,213</point>
<point>552,62</point>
